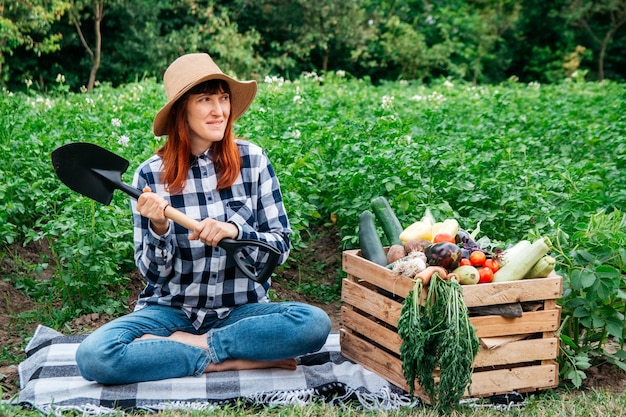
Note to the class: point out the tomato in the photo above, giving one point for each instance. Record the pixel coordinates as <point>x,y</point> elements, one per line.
<point>477,258</point>
<point>492,264</point>
<point>485,275</point>
<point>443,237</point>
<point>465,262</point>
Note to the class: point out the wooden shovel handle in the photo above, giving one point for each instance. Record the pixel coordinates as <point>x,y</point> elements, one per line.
<point>180,218</point>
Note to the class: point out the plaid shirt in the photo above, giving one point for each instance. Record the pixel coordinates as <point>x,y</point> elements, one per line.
<point>198,278</point>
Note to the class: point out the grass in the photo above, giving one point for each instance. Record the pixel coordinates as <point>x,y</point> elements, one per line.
<point>558,403</point>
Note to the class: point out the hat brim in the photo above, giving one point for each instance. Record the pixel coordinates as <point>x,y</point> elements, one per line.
<point>242,94</point>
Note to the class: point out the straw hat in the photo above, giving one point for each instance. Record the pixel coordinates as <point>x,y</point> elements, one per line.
<point>192,69</point>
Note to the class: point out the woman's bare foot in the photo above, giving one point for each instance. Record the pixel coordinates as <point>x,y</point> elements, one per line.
<point>197,340</point>
<point>245,364</point>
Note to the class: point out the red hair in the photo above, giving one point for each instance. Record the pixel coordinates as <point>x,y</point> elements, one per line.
<point>176,152</point>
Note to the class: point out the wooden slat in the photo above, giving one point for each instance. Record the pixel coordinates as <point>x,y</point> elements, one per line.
<point>360,267</point>
<point>512,292</point>
<point>360,324</point>
<point>532,322</point>
<point>371,302</point>
<point>523,379</point>
<point>529,350</point>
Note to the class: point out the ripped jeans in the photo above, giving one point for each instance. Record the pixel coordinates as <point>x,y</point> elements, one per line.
<point>258,331</point>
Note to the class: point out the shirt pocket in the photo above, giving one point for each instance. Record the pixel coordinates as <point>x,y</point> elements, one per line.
<point>238,212</point>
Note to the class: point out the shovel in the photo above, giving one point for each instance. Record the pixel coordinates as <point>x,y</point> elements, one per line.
<point>96,173</point>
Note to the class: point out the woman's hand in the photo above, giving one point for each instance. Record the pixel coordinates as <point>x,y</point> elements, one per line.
<point>153,206</point>
<point>210,231</point>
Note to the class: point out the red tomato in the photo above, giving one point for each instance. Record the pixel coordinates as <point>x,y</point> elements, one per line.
<point>477,258</point>
<point>443,237</point>
<point>492,264</point>
<point>485,275</point>
<point>465,262</point>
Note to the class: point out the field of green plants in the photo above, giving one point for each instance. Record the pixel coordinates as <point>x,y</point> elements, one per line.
<point>517,160</point>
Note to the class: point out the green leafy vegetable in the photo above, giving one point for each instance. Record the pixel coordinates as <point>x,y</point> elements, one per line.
<point>437,334</point>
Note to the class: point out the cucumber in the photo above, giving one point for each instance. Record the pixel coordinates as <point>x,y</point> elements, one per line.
<point>388,221</point>
<point>371,246</point>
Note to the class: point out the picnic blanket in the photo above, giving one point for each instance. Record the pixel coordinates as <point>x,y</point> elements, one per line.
<point>50,382</point>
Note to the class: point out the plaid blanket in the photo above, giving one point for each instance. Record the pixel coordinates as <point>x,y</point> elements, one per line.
<point>50,382</point>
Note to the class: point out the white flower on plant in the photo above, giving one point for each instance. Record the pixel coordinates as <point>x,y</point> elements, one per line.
<point>274,80</point>
<point>312,76</point>
<point>89,101</point>
<point>60,78</point>
<point>430,20</point>
<point>123,140</point>
<point>370,22</point>
<point>298,99</point>
<point>448,84</point>
<point>341,73</point>
<point>387,102</point>
<point>418,97</point>
<point>297,134</point>
<point>83,89</point>
<point>28,83</point>
<point>534,84</point>
<point>116,122</point>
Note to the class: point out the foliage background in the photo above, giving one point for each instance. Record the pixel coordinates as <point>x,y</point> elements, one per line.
<point>483,41</point>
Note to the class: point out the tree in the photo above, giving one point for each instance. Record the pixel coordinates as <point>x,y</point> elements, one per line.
<point>77,19</point>
<point>27,24</point>
<point>600,19</point>
<point>304,33</point>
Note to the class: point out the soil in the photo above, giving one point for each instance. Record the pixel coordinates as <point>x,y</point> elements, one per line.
<point>319,263</point>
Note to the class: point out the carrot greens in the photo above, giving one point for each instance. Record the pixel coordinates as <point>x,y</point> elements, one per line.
<point>437,336</point>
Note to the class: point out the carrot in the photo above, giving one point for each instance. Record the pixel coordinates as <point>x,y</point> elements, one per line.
<point>427,274</point>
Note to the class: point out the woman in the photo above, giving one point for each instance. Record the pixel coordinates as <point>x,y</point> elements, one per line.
<point>198,312</point>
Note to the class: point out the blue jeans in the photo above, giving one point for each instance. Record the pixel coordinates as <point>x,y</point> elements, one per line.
<point>258,331</point>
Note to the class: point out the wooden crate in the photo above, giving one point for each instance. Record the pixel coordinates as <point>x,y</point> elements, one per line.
<point>524,360</point>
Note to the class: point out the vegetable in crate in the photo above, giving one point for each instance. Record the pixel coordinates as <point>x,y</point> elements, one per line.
<point>371,246</point>
<point>542,268</point>
<point>444,254</point>
<point>517,261</point>
<point>437,334</point>
<point>395,253</point>
<point>388,221</point>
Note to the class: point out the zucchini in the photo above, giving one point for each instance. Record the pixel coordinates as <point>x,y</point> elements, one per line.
<point>542,268</point>
<point>371,246</point>
<point>517,267</point>
<point>388,221</point>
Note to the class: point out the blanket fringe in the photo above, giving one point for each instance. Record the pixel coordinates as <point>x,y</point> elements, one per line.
<point>85,410</point>
<point>385,399</point>
<point>284,398</point>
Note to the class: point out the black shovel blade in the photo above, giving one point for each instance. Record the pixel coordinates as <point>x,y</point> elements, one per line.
<point>90,170</point>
